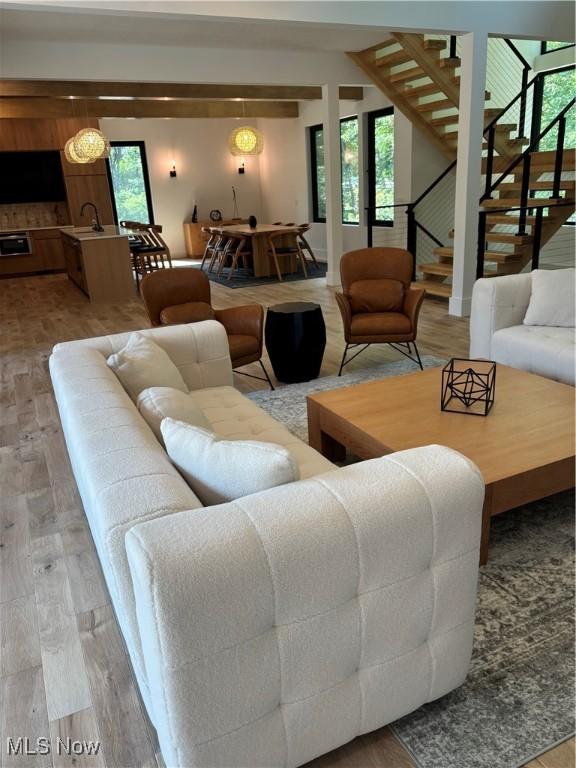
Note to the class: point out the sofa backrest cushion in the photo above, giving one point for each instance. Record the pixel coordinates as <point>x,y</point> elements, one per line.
<point>220,470</point>
<point>553,298</point>
<point>158,403</point>
<point>200,351</point>
<point>142,364</point>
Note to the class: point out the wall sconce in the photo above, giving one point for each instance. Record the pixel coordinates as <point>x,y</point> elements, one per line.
<point>241,168</point>
<point>173,173</point>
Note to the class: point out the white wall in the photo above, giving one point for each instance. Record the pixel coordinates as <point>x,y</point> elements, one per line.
<point>206,170</point>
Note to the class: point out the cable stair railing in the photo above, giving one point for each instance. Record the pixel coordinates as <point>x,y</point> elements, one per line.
<point>499,209</point>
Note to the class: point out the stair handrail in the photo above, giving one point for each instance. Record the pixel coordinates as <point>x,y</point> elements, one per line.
<point>524,86</point>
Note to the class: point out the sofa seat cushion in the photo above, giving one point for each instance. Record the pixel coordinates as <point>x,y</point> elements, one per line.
<point>191,312</point>
<point>545,350</point>
<point>220,470</point>
<point>380,324</point>
<point>233,416</point>
<point>243,346</point>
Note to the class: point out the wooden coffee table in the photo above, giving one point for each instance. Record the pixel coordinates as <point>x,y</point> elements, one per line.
<point>524,447</point>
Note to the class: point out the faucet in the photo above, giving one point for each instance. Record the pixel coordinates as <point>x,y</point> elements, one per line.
<point>96,226</point>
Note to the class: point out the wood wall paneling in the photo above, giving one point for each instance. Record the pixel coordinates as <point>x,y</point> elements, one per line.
<point>94,189</point>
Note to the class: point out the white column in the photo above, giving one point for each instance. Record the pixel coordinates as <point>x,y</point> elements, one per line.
<point>331,123</point>
<point>468,170</point>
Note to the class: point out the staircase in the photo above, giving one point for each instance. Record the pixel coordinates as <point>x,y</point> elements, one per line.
<point>419,77</point>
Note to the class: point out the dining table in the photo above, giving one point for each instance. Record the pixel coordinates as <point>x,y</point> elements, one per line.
<point>261,263</point>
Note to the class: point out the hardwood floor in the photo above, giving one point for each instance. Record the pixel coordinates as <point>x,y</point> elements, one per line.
<point>64,671</point>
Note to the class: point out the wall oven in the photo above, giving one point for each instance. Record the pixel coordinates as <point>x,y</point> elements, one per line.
<point>15,244</point>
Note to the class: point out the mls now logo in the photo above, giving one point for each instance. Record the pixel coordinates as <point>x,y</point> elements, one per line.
<point>23,746</point>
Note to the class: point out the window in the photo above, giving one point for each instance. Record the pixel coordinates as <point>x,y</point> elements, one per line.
<point>349,163</point>
<point>318,173</point>
<point>554,45</point>
<point>381,165</point>
<point>128,178</point>
<point>350,170</point>
<point>557,90</point>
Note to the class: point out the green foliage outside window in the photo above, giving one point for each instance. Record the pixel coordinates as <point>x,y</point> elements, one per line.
<point>559,88</point>
<point>384,166</point>
<point>350,171</point>
<point>320,170</point>
<point>128,183</point>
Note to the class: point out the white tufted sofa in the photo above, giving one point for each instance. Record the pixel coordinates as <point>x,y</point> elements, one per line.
<point>274,628</point>
<point>497,331</point>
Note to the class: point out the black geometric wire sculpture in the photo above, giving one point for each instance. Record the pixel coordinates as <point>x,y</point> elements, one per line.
<point>468,386</point>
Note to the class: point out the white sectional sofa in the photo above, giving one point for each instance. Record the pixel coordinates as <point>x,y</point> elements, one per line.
<point>497,331</point>
<point>274,628</point>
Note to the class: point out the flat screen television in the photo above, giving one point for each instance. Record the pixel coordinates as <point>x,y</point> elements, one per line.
<point>31,177</point>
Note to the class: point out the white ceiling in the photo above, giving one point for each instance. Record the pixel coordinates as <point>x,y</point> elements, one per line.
<point>136,28</point>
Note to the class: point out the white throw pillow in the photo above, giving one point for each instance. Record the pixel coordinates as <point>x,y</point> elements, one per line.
<point>142,364</point>
<point>223,470</point>
<point>553,298</point>
<point>157,403</point>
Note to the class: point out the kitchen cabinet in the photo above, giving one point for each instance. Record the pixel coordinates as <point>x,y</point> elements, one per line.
<point>47,255</point>
<point>99,263</point>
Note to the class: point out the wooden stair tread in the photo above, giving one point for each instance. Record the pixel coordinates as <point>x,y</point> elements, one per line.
<point>414,73</point>
<point>507,237</point>
<point>513,185</point>
<point>435,106</point>
<point>502,218</point>
<point>435,289</point>
<point>436,269</point>
<point>514,202</point>
<point>434,45</point>
<point>422,90</point>
<point>393,59</point>
<point>500,257</point>
<point>449,63</point>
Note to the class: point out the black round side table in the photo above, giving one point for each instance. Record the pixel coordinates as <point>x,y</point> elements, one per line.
<point>295,336</point>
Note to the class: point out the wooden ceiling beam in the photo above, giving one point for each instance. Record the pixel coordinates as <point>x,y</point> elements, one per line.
<point>95,89</point>
<point>66,108</point>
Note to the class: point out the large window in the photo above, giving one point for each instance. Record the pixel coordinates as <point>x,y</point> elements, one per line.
<point>557,90</point>
<point>128,176</point>
<point>350,170</point>
<point>318,173</point>
<point>381,165</point>
<point>349,160</point>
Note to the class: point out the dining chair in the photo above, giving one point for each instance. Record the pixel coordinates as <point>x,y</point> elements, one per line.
<point>236,248</point>
<point>304,244</point>
<point>286,244</point>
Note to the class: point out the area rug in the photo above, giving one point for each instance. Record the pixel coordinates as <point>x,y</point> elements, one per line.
<point>518,699</point>
<point>244,278</point>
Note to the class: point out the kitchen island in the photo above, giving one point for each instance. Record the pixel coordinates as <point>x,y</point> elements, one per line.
<point>99,262</point>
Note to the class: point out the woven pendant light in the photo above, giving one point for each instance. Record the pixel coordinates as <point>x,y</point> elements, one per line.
<point>70,153</point>
<point>91,144</point>
<point>245,140</point>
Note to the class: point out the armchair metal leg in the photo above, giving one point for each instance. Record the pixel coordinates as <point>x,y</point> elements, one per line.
<point>265,378</point>
<point>418,356</point>
<point>342,362</point>
<point>266,374</point>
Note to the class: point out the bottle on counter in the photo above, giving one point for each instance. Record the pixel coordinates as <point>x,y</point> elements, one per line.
<point>195,214</point>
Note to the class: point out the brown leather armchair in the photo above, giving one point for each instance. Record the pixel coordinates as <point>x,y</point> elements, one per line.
<point>377,304</point>
<point>176,296</point>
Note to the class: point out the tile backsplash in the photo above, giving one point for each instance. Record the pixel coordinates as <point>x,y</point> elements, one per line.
<point>22,215</point>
